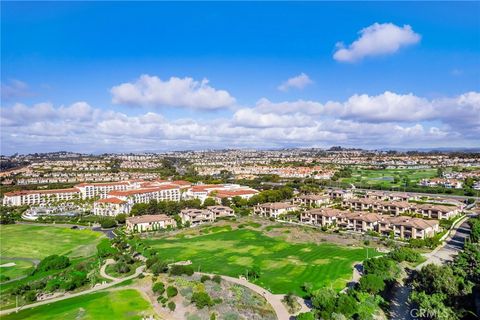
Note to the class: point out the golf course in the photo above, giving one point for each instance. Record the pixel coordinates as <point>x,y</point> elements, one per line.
<point>37,242</point>
<point>283,266</point>
<point>122,304</point>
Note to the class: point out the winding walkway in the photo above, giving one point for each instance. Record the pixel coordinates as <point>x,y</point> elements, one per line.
<point>275,300</point>
<point>67,295</point>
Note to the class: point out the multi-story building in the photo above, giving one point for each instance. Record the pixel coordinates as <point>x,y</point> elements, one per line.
<point>221,211</point>
<point>111,207</point>
<point>150,223</point>
<point>312,200</point>
<point>101,190</point>
<point>196,216</point>
<point>274,209</point>
<point>39,197</point>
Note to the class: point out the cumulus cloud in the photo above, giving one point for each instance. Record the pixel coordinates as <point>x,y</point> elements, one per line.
<point>174,92</point>
<point>14,89</point>
<point>384,120</point>
<point>377,39</point>
<point>297,82</point>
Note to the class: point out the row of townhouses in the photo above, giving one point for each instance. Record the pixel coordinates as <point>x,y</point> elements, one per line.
<point>402,227</point>
<point>193,217</point>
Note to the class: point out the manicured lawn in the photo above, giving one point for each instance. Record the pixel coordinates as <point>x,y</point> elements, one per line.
<point>123,304</point>
<point>284,266</point>
<point>20,268</point>
<point>385,178</point>
<point>37,242</point>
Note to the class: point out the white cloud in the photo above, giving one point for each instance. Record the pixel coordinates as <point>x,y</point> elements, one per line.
<point>377,39</point>
<point>385,120</point>
<point>297,82</point>
<point>175,92</point>
<point>14,89</point>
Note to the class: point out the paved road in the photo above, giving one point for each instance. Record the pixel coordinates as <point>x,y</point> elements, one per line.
<point>72,295</point>
<point>400,308</point>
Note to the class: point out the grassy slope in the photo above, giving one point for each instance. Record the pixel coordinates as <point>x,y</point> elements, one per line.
<point>284,266</point>
<point>124,304</point>
<point>20,268</point>
<point>37,242</point>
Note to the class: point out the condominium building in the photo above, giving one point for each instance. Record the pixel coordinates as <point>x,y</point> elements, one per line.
<point>274,209</point>
<point>221,211</point>
<point>196,216</point>
<point>91,190</point>
<point>111,207</point>
<point>312,200</point>
<point>150,223</point>
<point>39,197</point>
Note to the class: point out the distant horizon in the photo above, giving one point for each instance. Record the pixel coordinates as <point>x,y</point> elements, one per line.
<point>163,76</point>
<point>426,149</point>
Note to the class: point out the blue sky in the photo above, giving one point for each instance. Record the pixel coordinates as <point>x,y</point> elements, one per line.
<point>58,54</point>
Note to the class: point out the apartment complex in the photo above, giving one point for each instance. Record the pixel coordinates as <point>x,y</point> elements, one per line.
<point>274,209</point>
<point>150,223</point>
<point>402,227</point>
<point>39,197</point>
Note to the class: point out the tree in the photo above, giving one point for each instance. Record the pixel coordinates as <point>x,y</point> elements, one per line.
<point>171,305</point>
<point>371,283</point>
<point>121,218</point>
<point>324,300</point>
<point>122,267</point>
<point>209,202</point>
<point>53,262</point>
<point>306,316</point>
<point>432,306</point>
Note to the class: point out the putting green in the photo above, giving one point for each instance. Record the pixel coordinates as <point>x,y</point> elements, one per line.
<point>37,242</point>
<point>13,268</point>
<point>123,304</point>
<point>284,267</point>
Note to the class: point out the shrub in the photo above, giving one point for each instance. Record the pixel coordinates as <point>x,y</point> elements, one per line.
<point>30,296</point>
<point>105,249</point>
<point>172,291</point>
<point>108,223</point>
<point>306,316</point>
<point>158,288</point>
<point>405,254</point>
<point>159,267</point>
<point>122,267</point>
<point>171,305</point>
<point>204,278</point>
<point>178,270</point>
<point>216,278</point>
<point>53,262</point>
<point>201,300</point>
<point>121,218</point>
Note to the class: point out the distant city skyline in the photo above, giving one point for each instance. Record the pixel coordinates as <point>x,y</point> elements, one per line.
<point>152,76</point>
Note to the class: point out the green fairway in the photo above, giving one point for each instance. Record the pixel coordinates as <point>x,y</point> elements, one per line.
<point>284,267</point>
<point>20,268</point>
<point>388,178</point>
<point>123,304</point>
<point>37,242</point>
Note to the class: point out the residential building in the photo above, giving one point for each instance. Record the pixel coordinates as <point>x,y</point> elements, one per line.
<point>39,197</point>
<point>150,223</point>
<point>312,200</point>
<point>221,211</point>
<point>111,207</point>
<point>196,216</point>
<point>274,209</point>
